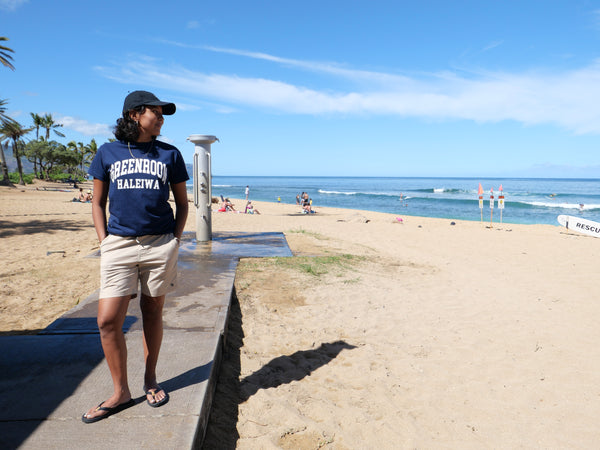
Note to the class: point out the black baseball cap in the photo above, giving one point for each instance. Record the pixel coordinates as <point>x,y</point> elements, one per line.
<point>145,98</point>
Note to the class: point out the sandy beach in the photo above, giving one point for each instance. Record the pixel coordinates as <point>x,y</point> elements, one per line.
<point>377,334</point>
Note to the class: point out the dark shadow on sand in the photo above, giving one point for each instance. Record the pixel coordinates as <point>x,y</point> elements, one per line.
<point>21,332</point>
<point>10,228</point>
<point>231,391</point>
<point>288,368</point>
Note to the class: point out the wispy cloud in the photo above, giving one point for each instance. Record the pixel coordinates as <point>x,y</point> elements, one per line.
<point>492,45</point>
<point>331,68</point>
<point>84,127</point>
<point>568,99</point>
<point>187,107</point>
<point>11,5</point>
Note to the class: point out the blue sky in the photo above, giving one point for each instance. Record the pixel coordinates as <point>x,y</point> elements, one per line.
<point>325,88</point>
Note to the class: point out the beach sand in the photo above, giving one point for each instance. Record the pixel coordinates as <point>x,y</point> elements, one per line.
<point>378,334</point>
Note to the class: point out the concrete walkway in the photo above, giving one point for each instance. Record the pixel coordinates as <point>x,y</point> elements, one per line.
<point>47,381</point>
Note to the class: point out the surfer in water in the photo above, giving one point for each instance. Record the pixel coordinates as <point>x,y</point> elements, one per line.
<point>403,199</point>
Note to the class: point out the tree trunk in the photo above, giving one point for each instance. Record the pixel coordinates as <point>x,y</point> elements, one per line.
<point>17,156</point>
<point>5,180</point>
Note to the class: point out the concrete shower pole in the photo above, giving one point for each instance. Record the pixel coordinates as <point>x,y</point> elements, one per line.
<point>202,185</point>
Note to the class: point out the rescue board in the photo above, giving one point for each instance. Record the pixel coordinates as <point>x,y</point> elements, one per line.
<point>580,225</point>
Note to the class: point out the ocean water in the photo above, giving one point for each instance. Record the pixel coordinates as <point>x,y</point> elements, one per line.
<point>526,200</point>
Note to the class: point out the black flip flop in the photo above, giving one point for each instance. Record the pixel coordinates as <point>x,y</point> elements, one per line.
<point>153,394</point>
<point>109,411</point>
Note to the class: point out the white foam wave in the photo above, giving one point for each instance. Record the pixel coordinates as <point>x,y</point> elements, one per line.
<point>388,194</point>
<point>563,205</point>
<point>322,191</point>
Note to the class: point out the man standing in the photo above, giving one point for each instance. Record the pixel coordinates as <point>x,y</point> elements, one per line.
<point>247,192</point>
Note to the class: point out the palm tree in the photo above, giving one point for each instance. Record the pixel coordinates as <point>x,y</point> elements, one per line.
<point>49,124</point>
<point>38,121</point>
<point>91,150</point>
<point>5,58</point>
<point>15,132</point>
<point>80,150</point>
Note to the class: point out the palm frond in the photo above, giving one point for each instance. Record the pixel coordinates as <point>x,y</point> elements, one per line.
<point>5,58</point>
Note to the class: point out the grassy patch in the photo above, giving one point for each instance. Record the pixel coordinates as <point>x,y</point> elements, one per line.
<point>309,233</point>
<point>352,281</point>
<point>311,265</point>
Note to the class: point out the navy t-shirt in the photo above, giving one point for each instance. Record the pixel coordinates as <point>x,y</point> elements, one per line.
<point>138,195</point>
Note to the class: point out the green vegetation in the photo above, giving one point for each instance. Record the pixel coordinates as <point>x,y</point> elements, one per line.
<point>309,233</point>
<point>14,178</point>
<point>311,265</point>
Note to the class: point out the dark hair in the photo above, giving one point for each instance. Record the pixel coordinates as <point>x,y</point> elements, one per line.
<point>127,128</point>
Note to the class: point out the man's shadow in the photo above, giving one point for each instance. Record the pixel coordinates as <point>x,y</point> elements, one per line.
<point>230,392</point>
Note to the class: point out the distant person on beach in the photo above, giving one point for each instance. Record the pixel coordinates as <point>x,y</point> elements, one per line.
<point>247,192</point>
<point>250,208</point>
<point>134,175</point>
<point>226,206</point>
<point>304,198</point>
<point>229,205</point>
<point>307,205</point>
<point>298,199</point>
<point>403,199</point>
<point>83,197</point>
<point>308,208</point>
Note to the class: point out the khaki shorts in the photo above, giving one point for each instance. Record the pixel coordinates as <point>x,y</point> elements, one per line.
<point>126,260</point>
